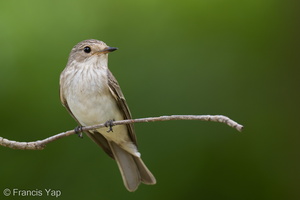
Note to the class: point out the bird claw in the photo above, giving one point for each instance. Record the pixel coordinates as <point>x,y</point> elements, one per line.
<point>109,124</point>
<point>78,131</point>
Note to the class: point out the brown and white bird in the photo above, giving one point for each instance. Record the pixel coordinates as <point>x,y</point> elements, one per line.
<point>92,96</point>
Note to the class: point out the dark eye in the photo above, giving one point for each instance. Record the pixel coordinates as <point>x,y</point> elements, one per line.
<point>87,49</point>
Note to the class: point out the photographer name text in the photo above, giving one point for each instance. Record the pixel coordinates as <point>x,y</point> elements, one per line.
<point>31,192</point>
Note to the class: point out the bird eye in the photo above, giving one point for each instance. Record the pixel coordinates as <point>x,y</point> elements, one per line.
<point>87,49</point>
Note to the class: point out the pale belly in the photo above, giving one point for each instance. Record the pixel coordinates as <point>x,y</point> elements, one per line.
<point>91,103</point>
<point>95,109</point>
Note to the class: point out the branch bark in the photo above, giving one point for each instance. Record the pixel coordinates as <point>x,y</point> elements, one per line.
<point>41,144</point>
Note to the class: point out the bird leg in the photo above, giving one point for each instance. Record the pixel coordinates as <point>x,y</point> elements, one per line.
<point>78,131</point>
<point>110,124</point>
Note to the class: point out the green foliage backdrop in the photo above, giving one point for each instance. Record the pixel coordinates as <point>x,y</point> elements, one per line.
<point>236,58</point>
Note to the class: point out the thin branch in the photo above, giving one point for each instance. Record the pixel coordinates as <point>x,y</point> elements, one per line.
<point>41,144</point>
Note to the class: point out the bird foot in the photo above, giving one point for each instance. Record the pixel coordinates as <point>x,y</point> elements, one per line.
<point>78,131</point>
<point>110,124</point>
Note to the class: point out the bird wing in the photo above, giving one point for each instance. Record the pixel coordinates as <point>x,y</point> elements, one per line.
<point>116,92</point>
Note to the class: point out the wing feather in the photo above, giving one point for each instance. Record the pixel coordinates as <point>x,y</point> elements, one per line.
<point>116,92</point>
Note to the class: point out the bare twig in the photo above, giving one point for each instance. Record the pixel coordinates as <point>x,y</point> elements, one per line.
<point>41,144</point>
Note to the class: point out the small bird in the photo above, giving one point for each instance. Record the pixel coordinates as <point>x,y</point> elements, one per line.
<point>92,95</point>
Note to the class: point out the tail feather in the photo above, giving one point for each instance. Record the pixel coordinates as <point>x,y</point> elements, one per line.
<point>145,174</point>
<point>127,166</point>
<point>132,168</point>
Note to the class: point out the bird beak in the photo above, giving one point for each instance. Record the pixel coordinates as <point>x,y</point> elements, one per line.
<point>107,50</point>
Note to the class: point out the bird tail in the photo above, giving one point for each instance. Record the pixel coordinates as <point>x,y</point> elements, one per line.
<point>132,168</point>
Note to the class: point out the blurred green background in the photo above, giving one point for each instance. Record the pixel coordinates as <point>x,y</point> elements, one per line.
<point>235,58</point>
